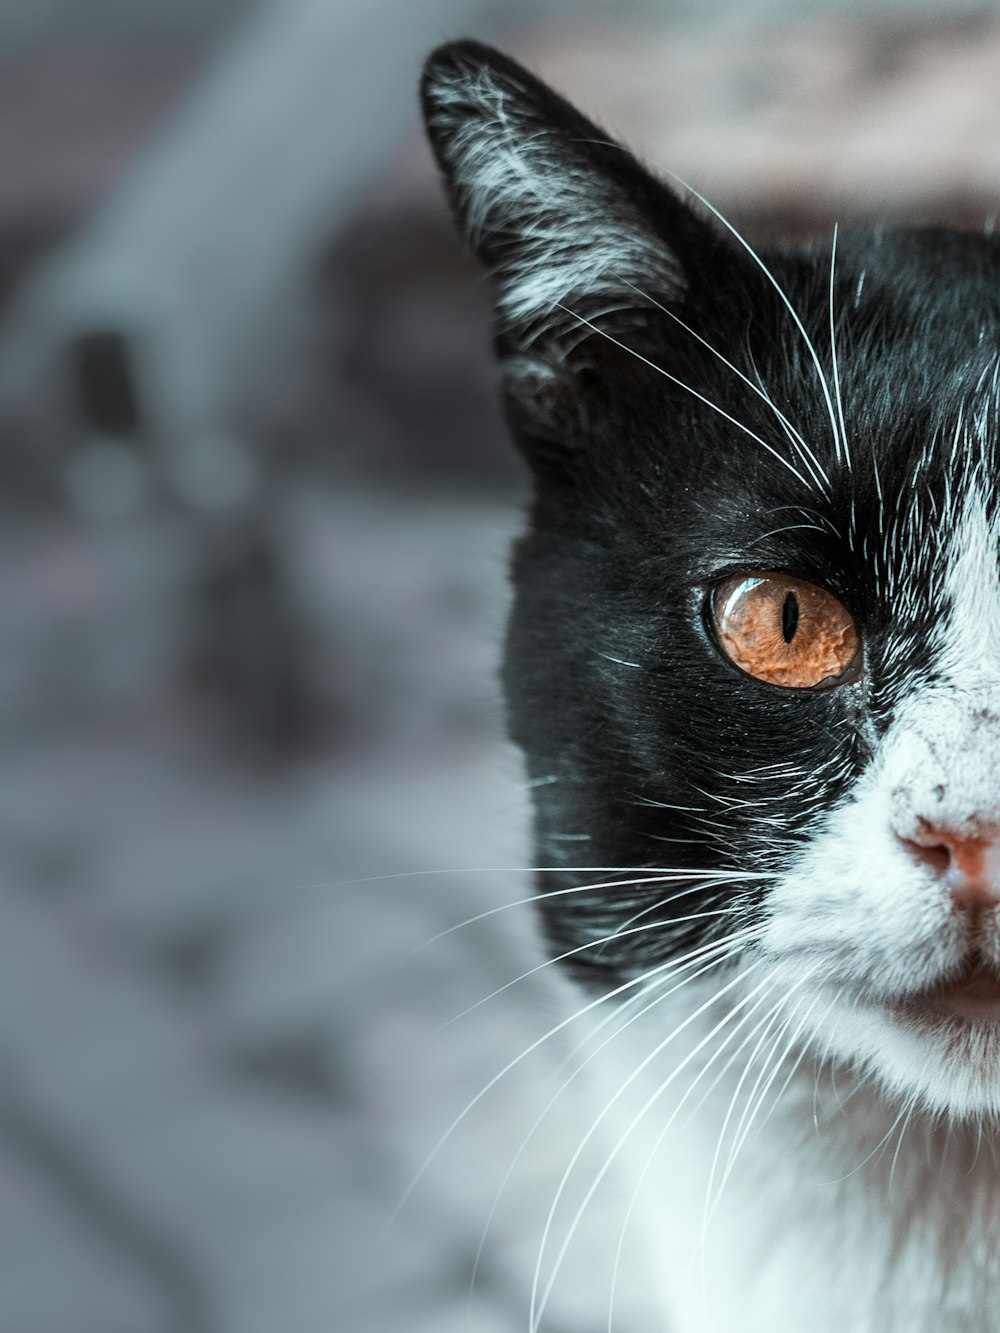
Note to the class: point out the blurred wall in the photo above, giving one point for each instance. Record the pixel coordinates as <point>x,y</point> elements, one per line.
<point>253,751</point>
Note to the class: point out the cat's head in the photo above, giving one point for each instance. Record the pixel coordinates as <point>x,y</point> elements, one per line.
<point>756,638</point>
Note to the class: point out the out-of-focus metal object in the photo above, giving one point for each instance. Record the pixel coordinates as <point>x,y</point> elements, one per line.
<point>164,325</point>
<point>146,360</point>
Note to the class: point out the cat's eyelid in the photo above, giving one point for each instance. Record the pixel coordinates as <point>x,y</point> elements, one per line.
<point>705,583</point>
<point>750,569</point>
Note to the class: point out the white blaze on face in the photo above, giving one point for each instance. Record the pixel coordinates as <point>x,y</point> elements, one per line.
<point>968,647</point>
<point>871,921</point>
<point>942,754</point>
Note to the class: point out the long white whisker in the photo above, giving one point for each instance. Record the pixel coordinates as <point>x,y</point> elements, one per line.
<point>691,390</point>
<point>538,1305</point>
<point>615,935</point>
<point>730,1111</point>
<point>833,351</point>
<point>749,1112</point>
<point>878,1147</point>
<point>796,439</point>
<point>748,933</point>
<point>651,875</point>
<point>771,1068</point>
<point>707,885</point>
<point>797,1061</point>
<point>725,951</point>
<point>781,294</point>
<point>744,1019</point>
<point>491,870</point>
<point>794,436</point>
<point>902,1135</point>
<point>754,1103</point>
<point>590,944</point>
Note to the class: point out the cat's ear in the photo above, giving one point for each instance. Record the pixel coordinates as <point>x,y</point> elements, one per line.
<point>578,236</point>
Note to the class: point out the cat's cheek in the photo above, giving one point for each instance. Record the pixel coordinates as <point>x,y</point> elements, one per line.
<point>853,926</point>
<point>858,928</point>
<point>855,911</point>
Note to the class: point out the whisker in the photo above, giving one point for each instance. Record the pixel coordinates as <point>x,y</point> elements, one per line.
<point>794,436</point>
<point>902,1134</point>
<point>722,956</point>
<point>538,1305</point>
<point>615,935</point>
<point>754,1102</point>
<point>874,1152</point>
<point>833,350</point>
<point>704,886</point>
<point>655,876</point>
<point>730,1111</point>
<point>691,390</point>
<point>737,235</point>
<point>511,1064</point>
<point>619,1250</point>
<point>796,1063</point>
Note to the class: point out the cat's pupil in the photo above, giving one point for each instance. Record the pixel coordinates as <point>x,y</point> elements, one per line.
<point>789,616</point>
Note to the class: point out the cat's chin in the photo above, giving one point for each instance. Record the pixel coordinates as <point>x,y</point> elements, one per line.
<point>947,1064</point>
<point>938,1048</point>
<point>942,1046</point>
<point>973,997</point>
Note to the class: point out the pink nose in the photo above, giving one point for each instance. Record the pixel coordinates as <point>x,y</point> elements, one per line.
<point>968,863</point>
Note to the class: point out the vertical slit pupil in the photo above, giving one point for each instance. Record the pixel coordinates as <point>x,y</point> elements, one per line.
<point>789,616</point>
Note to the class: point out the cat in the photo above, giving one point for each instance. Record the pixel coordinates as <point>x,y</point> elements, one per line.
<point>753,664</point>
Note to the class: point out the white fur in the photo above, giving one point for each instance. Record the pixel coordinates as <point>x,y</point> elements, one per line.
<point>841,1214</point>
<point>866,1196</point>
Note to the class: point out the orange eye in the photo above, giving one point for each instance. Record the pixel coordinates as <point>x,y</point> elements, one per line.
<point>783,630</point>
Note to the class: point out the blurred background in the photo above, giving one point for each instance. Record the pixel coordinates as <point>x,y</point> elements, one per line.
<point>254,514</point>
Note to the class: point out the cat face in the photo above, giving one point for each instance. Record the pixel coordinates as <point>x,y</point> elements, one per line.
<point>754,660</point>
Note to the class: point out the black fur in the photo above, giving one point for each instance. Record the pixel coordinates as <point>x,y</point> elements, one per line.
<point>664,753</point>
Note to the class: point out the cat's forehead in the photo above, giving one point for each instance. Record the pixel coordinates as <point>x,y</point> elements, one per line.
<point>877,420</point>
<point>895,333</point>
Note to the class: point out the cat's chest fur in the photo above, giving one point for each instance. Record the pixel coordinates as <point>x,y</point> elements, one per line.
<point>754,667</point>
<point>838,1215</point>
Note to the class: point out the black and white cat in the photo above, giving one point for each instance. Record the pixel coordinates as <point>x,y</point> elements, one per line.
<point>754,662</point>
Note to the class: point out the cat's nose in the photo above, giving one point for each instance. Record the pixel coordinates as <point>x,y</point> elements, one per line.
<point>967,861</point>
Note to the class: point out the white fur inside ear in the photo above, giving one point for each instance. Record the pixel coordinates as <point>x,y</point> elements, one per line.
<point>568,245</point>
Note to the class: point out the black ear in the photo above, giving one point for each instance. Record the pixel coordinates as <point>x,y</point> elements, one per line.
<point>567,220</point>
<point>585,246</point>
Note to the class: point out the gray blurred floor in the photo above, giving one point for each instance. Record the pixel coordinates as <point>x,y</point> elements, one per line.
<point>219,1067</point>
